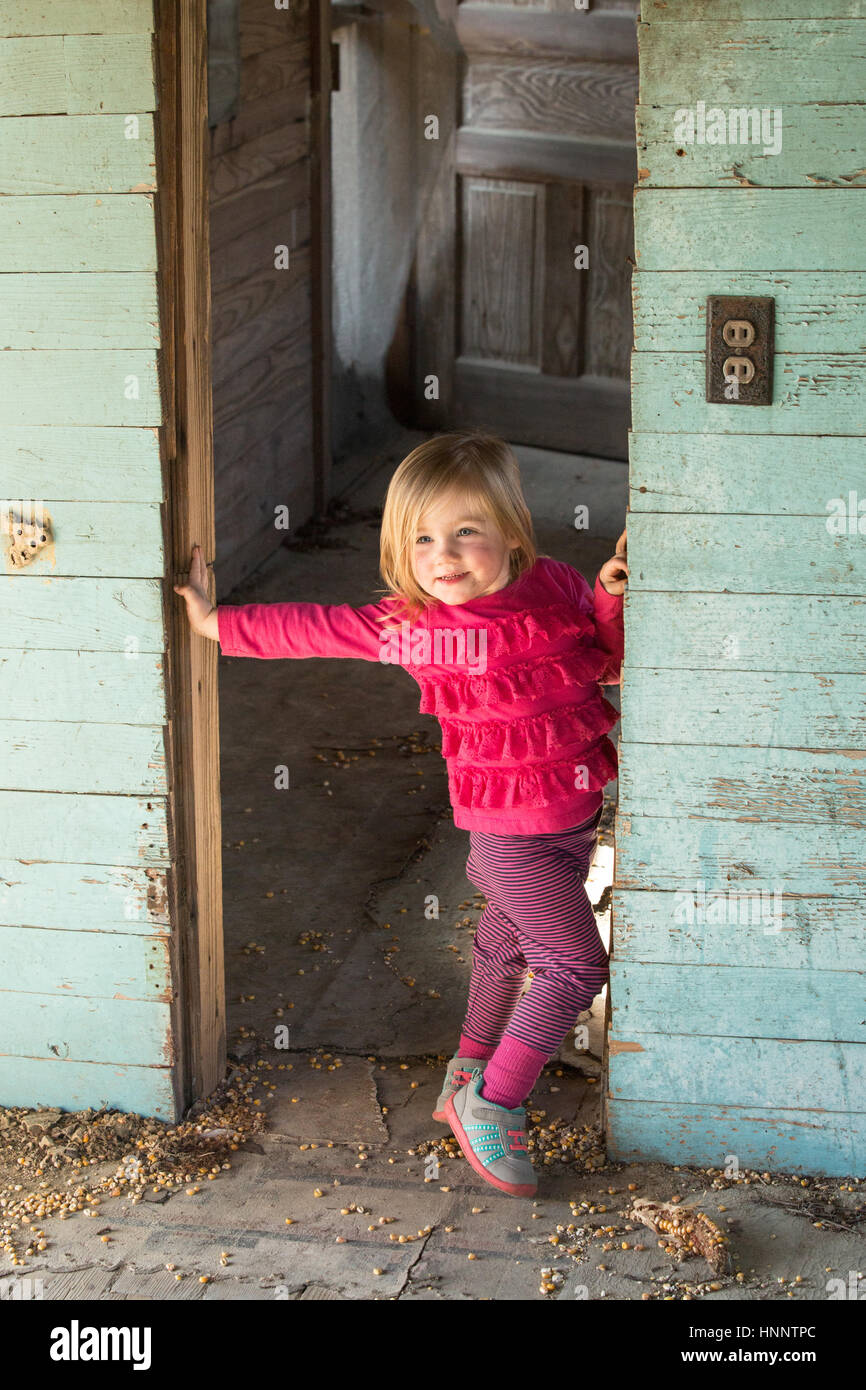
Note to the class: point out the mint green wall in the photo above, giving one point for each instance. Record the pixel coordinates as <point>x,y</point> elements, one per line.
<point>742,762</point>
<point>85,941</point>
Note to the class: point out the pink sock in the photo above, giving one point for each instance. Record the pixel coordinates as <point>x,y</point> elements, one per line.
<point>468,1047</point>
<point>512,1072</point>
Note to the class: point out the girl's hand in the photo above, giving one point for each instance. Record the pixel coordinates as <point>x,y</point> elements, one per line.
<point>614,572</point>
<point>200,611</point>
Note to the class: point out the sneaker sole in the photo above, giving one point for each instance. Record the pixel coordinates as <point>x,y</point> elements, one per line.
<point>515,1189</point>
<point>440,1117</point>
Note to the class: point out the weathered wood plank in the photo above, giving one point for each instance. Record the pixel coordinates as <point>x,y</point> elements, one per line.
<point>813,312</point>
<point>731,1070</point>
<point>672,852</point>
<point>71,1085</point>
<point>506,155</point>
<point>818,393</point>
<point>231,263</point>
<point>745,632</point>
<point>593,99</point>
<point>79,829</point>
<point>100,615</point>
<point>792,147</point>
<point>79,388</point>
<point>113,759</point>
<point>596,35</point>
<point>737,1000</point>
<point>744,554</point>
<point>250,316</point>
<point>101,539</point>
<point>762,62</point>
<point>751,708</point>
<point>258,158</point>
<point>283,194</point>
<point>81,462</point>
<point>778,1140</point>
<point>697,928</point>
<point>263,26</point>
<point>74,234</point>
<point>107,687</point>
<point>721,781</point>
<point>79,312</point>
<point>97,73</point>
<point>590,413</point>
<point>674,11</point>
<point>778,229</point>
<point>70,897</point>
<point>75,17</point>
<point>128,1032</point>
<point>93,964</point>
<point>794,475</point>
<point>76,154</point>
<point>255,118</point>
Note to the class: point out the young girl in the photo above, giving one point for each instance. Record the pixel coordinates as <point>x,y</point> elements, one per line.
<point>509,649</point>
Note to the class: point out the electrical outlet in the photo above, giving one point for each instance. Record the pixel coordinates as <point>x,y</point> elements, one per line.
<point>740,350</point>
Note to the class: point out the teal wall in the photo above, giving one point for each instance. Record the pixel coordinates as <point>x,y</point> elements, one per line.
<point>742,743</point>
<point>85,941</point>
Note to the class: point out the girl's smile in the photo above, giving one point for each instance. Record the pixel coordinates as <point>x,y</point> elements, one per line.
<point>458,555</point>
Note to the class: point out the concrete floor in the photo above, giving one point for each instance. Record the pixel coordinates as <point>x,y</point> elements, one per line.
<point>356,842</point>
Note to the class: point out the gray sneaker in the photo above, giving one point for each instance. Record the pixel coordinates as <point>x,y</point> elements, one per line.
<point>493,1139</point>
<point>458,1072</point>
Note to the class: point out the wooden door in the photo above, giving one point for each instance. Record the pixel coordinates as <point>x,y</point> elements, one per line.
<point>531,336</point>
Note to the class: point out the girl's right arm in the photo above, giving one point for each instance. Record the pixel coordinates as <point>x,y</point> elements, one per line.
<point>272,630</point>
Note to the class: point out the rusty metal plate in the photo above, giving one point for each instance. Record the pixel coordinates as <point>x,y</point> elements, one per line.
<point>740,349</point>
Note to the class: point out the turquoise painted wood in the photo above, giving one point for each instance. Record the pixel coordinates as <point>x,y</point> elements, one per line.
<point>813,313</point>
<point>760,709</point>
<point>112,759</point>
<point>702,927</point>
<point>745,784</point>
<point>92,73</point>
<point>745,632</point>
<point>88,829</point>
<point>84,233</point>
<point>819,393</point>
<point>742,1000</point>
<point>32,1081</point>
<point>800,147</point>
<point>79,388</point>
<point>793,476</point>
<point>77,154</point>
<point>26,17</point>
<point>93,964</point>
<point>114,615</point>
<point>778,229</point>
<point>748,554</point>
<point>674,11</point>
<point>82,462</point>
<point>103,687</point>
<point>99,539</point>
<point>132,1032</point>
<point>764,62</point>
<point>84,897</point>
<point>62,311</point>
<point>803,858</point>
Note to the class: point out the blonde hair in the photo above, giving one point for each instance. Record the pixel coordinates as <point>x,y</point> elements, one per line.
<point>480,468</point>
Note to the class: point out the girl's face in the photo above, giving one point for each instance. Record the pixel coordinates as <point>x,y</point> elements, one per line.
<point>460,554</point>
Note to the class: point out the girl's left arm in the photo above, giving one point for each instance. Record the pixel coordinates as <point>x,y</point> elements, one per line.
<point>271,630</point>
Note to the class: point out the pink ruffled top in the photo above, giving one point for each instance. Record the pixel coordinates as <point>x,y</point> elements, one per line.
<point>513,678</point>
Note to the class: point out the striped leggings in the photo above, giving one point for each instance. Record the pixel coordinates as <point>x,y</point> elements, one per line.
<point>538,917</point>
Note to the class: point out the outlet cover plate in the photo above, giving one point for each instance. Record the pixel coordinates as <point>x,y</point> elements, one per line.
<point>758,311</point>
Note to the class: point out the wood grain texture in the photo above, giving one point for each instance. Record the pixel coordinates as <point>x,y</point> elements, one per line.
<point>50,155</point>
<point>88,463</point>
<point>607,37</point>
<point>672,853</point>
<point>146,1090</point>
<point>100,538</point>
<point>762,62</point>
<point>62,756</point>
<point>814,393</point>
<point>698,927</point>
<point>93,74</point>
<point>105,687</point>
<point>84,233</point>
<point>779,1140</point>
<point>92,964</point>
<point>81,614</point>
<point>592,99</point>
<point>79,388</point>
<point>85,829</point>
<point>84,897</point>
<point>744,632</point>
<point>588,415</point>
<point>821,146</point>
<point>778,229</point>
<point>503,229</point>
<point>510,154</point>
<point>814,312</point>
<point>77,312</point>
<point>608,308</point>
<point>23,17</point>
<point>675,11</point>
<point>124,1032</point>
